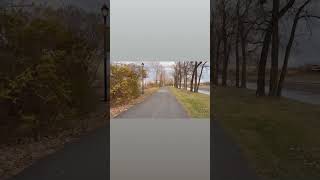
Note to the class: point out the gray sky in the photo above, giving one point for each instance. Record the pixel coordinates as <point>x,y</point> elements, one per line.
<point>307,47</point>
<point>175,29</point>
<point>161,30</point>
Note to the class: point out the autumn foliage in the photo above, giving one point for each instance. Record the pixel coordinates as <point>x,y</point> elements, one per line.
<point>125,83</point>
<point>48,62</point>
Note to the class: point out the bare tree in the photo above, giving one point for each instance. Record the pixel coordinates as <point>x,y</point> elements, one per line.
<point>296,19</point>
<point>192,77</point>
<point>185,78</point>
<point>203,65</point>
<point>156,67</point>
<point>237,45</point>
<point>225,42</point>
<point>196,75</point>
<point>217,61</point>
<point>272,25</point>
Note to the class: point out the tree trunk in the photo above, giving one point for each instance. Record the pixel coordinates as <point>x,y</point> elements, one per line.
<point>237,46</point>
<point>263,62</point>
<point>244,63</point>
<point>192,77</point>
<point>184,75</point>
<point>225,63</point>
<point>225,46</point>
<point>275,48</point>
<point>265,50</point>
<point>180,75</point>
<point>195,77</point>
<point>216,76</point>
<point>237,61</point>
<point>186,78</point>
<point>288,48</point>
<point>186,86</point>
<point>175,76</point>
<point>200,75</point>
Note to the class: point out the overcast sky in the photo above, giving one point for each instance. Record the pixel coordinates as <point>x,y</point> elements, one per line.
<point>307,49</point>
<point>163,30</point>
<point>176,29</point>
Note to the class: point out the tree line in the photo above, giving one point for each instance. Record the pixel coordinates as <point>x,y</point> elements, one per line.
<point>249,31</point>
<point>160,78</point>
<point>187,74</point>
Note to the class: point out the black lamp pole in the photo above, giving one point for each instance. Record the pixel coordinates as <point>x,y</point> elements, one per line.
<point>105,14</point>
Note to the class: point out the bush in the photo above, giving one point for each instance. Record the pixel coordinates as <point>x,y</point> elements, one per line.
<point>47,67</point>
<point>125,83</point>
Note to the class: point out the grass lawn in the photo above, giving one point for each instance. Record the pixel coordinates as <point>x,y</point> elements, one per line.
<point>280,137</point>
<point>197,105</point>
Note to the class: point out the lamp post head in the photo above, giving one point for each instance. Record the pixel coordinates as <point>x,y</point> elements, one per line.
<point>105,10</point>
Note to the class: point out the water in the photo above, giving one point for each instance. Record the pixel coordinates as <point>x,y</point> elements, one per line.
<point>203,91</point>
<point>302,96</point>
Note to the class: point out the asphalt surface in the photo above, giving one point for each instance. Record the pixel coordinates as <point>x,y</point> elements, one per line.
<point>229,162</point>
<point>82,160</point>
<point>155,141</point>
<point>161,104</point>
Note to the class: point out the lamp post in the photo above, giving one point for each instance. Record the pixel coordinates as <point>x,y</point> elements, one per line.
<point>105,14</point>
<point>142,75</point>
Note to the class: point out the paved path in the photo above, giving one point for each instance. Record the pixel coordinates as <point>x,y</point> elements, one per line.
<point>82,160</point>
<point>173,149</point>
<point>162,104</point>
<point>159,145</point>
<point>156,140</point>
<point>228,160</point>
